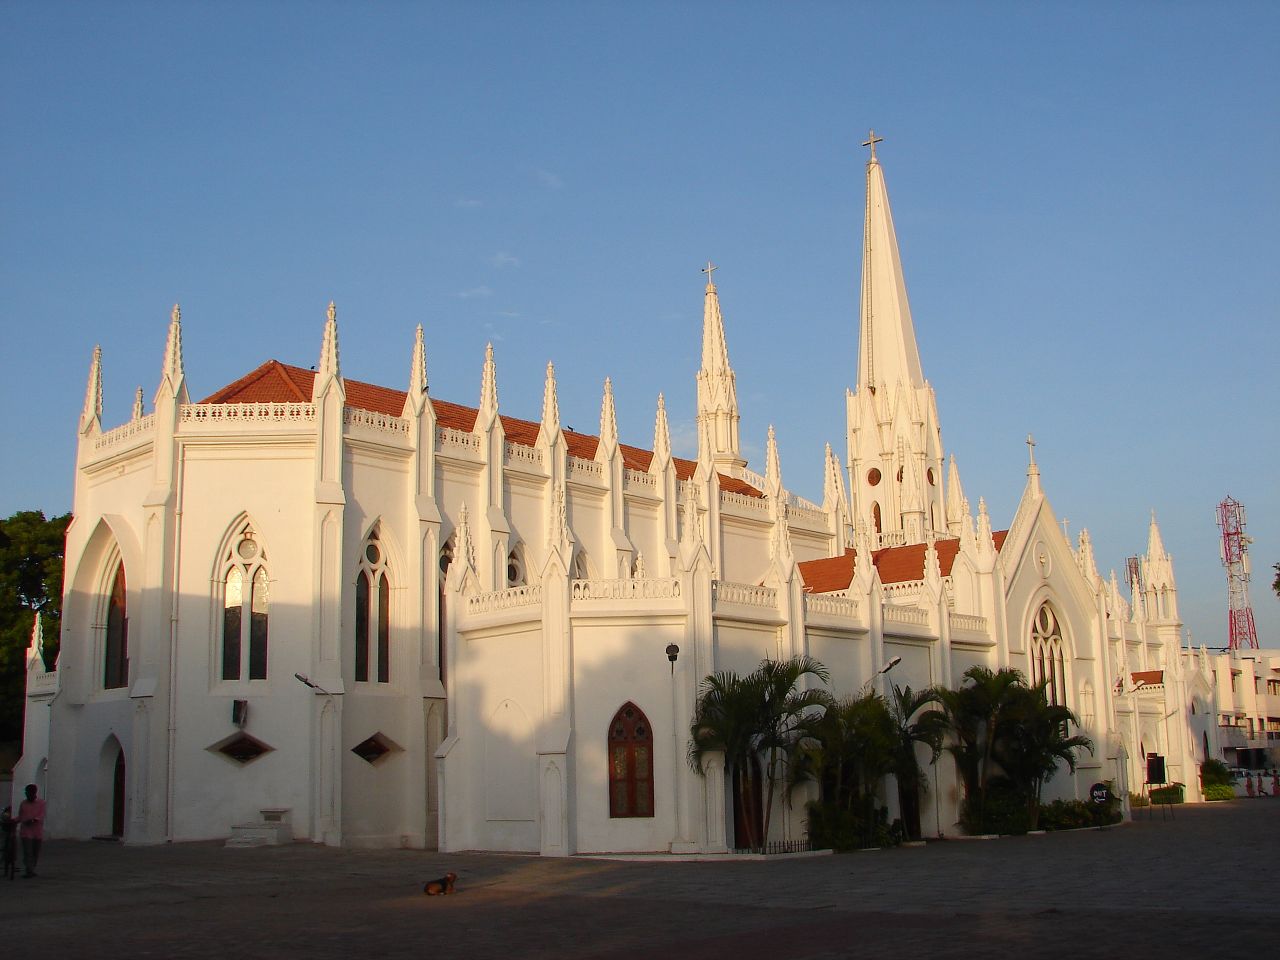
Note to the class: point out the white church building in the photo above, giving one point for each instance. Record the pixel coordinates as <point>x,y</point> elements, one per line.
<point>371,616</point>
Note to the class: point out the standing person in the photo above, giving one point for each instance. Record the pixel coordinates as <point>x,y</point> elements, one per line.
<point>31,830</point>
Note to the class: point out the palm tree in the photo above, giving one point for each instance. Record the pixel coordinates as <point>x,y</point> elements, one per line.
<point>744,717</point>
<point>1036,739</point>
<point>912,726</point>
<point>976,714</point>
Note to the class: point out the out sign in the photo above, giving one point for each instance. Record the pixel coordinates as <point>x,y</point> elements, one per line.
<point>1099,793</point>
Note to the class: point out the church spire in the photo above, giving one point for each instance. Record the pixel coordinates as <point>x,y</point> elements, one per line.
<point>1033,469</point>
<point>91,414</point>
<point>173,375</point>
<point>661,434</point>
<point>550,403</point>
<point>418,366</point>
<point>329,366</point>
<point>1155,543</point>
<point>887,350</point>
<point>717,390</point>
<point>955,499</point>
<point>488,387</point>
<point>608,420</point>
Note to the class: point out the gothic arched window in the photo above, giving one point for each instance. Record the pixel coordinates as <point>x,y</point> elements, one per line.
<point>246,597</point>
<point>1047,665</point>
<point>515,568</point>
<point>373,613</point>
<point>630,763</point>
<point>115,659</point>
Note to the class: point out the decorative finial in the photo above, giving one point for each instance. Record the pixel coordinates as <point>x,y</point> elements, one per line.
<point>710,269</point>
<point>871,142</point>
<point>138,405</point>
<point>332,312</point>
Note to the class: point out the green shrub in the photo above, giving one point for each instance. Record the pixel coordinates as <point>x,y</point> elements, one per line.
<point>837,828</point>
<point>1219,791</point>
<point>1004,811</point>
<point>1214,773</point>
<point>1173,793</point>
<point>1073,814</point>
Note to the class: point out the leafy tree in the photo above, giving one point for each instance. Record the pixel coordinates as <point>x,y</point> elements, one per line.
<point>31,562</point>
<point>761,715</point>
<point>1275,584</point>
<point>913,724</point>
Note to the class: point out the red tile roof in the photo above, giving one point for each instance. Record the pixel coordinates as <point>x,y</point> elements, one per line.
<point>1147,678</point>
<point>895,564</point>
<point>276,382</point>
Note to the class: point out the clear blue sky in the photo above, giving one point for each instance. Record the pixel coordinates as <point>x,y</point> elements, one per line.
<point>1087,197</point>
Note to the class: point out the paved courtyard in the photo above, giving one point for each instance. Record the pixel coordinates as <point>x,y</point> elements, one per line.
<point>1202,885</point>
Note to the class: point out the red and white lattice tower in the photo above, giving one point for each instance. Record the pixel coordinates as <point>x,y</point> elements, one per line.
<point>1241,632</point>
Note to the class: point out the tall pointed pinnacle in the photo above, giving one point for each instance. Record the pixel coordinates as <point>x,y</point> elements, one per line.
<point>984,523</point>
<point>1084,557</point>
<point>139,405</point>
<point>661,435</point>
<point>608,420</point>
<point>550,403</point>
<point>717,388</point>
<point>91,414</point>
<point>173,369</point>
<point>772,465</point>
<point>329,365</point>
<point>35,652</point>
<point>1033,469</point>
<point>955,498</point>
<point>488,387</point>
<point>1155,543</point>
<point>833,495</point>
<point>887,348</point>
<point>418,366</point>
<point>464,547</point>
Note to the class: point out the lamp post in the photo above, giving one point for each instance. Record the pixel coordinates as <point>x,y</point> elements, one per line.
<point>673,653</point>
<point>329,811</point>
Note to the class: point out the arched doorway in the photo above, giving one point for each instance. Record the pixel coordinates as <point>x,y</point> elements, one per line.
<point>117,796</point>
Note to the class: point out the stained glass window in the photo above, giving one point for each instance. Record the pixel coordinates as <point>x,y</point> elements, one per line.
<point>630,763</point>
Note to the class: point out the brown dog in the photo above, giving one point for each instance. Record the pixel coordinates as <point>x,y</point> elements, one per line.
<point>441,887</point>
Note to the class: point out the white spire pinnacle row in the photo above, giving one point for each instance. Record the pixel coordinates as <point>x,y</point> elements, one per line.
<point>550,403</point>
<point>329,365</point>
<point>418,366</point>
<point>661,434</point>
<point>772,465</point>
<point>717,389</point>
<point>932,564</point>
<point>489,383</point>
<point>92,411</point>
<point>35,652</point>
<point>887,349</point>
<point>608,419</point>
<point>138,405</point>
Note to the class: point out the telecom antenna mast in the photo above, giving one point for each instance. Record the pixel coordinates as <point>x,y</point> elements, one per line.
<point>1241,632</point>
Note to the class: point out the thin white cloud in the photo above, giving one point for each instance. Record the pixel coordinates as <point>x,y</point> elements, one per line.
<point>504,259</point>
<point>509,314</point>
<point>472,293</point>
<point>468,202</point>
<point>550,180</point>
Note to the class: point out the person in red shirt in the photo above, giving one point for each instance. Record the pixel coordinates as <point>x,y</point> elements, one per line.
<point>31,830</point>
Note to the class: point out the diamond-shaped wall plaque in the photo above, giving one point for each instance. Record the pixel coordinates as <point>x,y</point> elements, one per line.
<point>374,748</point>
<point>241,747</point>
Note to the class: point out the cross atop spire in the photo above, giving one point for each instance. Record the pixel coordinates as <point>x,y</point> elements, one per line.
<point>871,142</point>
<point>710,269</point>
<point>1031,448</point>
